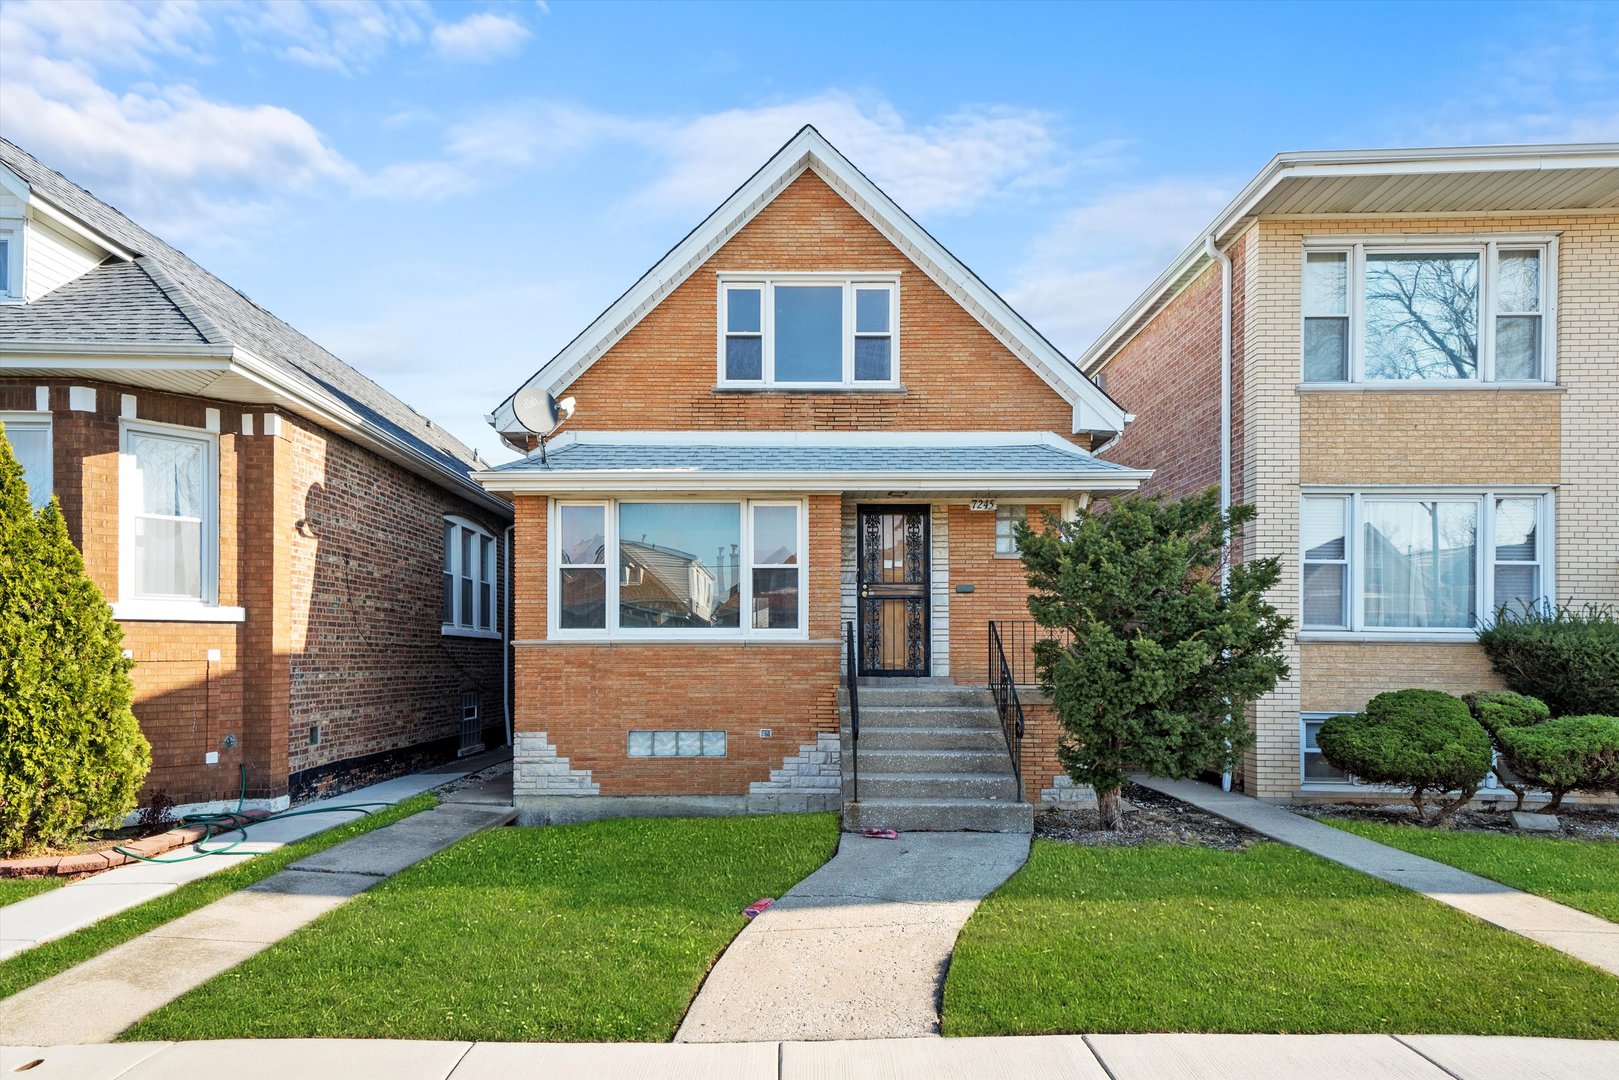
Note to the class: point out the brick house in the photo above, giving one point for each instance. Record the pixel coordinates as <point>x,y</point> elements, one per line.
<point>306,576</point>
<point>808,420</point>
<point>1421,351</point>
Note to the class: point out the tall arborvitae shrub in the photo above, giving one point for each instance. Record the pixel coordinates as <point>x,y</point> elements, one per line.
<point>71,752</point>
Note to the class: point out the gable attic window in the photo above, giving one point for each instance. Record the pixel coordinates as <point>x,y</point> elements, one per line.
<point>11,240</point>
<point>1424,311</point>
<point>809,331</point>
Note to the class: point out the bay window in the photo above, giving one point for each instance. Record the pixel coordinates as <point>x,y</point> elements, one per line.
<point>1392,563</point>
<point>649,568</point>
<point>808,331</point>
<point>468,600</point>
<point>1402,310</point>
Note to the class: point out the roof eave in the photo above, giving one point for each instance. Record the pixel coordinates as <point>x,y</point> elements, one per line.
<point>541,481</point>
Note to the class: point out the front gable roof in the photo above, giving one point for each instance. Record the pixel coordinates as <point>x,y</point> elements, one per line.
<point>1094,411</point>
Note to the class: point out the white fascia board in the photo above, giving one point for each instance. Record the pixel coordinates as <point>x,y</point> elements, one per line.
<point>110,356</point>
<point>1094,411</point>
<point>44,208</point>
<point>1332,163</point>
<point>548,482</point>
<point>881,439</point>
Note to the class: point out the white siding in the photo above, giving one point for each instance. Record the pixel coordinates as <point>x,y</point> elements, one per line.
<point>53,259</point>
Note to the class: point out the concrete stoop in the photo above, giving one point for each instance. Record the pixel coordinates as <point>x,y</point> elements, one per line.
<point>932,759</point>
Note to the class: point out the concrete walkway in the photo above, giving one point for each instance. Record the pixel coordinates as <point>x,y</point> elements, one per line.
<point>1048,1057</point>
<point>74,906</point>
<point>101,997</point>
<point>1577,933</point>
<point>857,950</point>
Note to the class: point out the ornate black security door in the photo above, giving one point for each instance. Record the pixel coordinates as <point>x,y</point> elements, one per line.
<point>892,580</point>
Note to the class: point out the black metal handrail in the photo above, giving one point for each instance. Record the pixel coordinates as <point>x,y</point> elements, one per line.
<point>1017,642</point>
<point>1004,689</point>
<point>852,678</point>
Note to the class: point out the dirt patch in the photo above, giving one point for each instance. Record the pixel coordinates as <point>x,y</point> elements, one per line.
<point>1154,819</point>
<point>1578,823</point>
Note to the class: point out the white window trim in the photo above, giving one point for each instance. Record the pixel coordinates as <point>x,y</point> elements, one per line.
<point>13,230</point>
<point>31,421</point>
<point>766,283</point>
<point>135,608</point>
<point>458,526</point>
<point>1488,247</point>
<point>1018,512</point>
<point>745,631</point>
<point>1484,569</point>
<point>1345,782</point>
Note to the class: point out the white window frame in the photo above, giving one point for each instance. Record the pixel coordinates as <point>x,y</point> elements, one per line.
<point>766,284</point>
<point>1337,783</point>
<point>34,421</point>
<point>1488,248</point>
<point>130,605</point>
<point>459,528</point>
<point>13,232</point>
<point>1485,557</point>
<point>1015,512</point>
<point>614,574</point>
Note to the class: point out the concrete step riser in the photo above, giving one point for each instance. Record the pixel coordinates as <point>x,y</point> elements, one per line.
<point>886,738</point>
<point>935,761</point>
<point>970,719</point>
<point>926,786</point>
<point>940,817</point>
<point>874,697</point>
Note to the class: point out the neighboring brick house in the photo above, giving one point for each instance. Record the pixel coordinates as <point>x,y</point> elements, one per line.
<point>282,540</point>
<point>817,418</point>
<point>1424,408</point>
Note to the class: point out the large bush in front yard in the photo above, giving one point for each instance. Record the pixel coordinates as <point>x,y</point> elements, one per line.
<point>1564,754</point>
<point>1567,657</point>
<point>1422,740</point>
<point>71,752</point>
<point>1499,710</point>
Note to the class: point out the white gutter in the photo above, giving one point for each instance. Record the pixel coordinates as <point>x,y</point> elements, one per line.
<point>573,481</point>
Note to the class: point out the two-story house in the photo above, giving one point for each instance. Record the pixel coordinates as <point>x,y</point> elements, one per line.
<point>803,435</point>
<point>307,579</point>
<point>1408,361</point>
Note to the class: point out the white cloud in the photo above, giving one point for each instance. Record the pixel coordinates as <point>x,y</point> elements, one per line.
<point>480,38</point>
<point>1087,268</point>
<point>345,36</point>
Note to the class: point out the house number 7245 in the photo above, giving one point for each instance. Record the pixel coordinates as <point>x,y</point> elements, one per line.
<point>983,504</point>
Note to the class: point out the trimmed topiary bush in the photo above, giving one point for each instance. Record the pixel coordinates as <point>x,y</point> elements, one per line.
<point>71,752</point>
<point>1565,754</point>
<point>1567,657</point>
<point>1423,740</point>
<point>1498,710</point>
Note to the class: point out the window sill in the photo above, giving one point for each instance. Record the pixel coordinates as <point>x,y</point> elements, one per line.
<point>1429,637</point>
<point>725,642</point>
<point>1431,387</point>
<point>468,632</point>
<point>891,390</point>
<point>175,611</point>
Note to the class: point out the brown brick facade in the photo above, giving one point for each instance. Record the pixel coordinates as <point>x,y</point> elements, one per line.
<point>332,552</point>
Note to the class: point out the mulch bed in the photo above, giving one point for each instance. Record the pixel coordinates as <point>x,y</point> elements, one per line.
<point>1578,823</point>
<point>1150,818</point>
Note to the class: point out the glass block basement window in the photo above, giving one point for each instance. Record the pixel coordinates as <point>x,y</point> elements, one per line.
<point>676,744</point>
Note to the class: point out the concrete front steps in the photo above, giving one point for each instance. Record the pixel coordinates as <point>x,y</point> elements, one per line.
<point>932,759</point>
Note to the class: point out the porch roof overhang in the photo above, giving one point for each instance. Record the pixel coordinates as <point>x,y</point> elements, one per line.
<point>959,463</point>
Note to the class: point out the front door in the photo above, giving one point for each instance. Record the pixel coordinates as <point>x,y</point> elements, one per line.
<point>892,584</point>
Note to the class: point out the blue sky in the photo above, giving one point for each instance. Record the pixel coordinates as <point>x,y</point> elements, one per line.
<point>444,194</point>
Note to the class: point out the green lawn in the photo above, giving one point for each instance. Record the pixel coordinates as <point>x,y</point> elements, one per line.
<point>1580,873</point>
<point>21,888</point>
<point>42,961</point>
<point>591,933</point>
<point>1179,938</point>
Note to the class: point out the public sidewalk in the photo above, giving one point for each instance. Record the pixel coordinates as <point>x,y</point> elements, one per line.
<point>857,950</point>
<point>99,998</point>
<point>1577,933</point>
<point>59,912</point>
<point>1049,1057</point>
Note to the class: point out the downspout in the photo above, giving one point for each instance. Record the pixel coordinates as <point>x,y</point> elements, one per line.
<point>1213,251</point>
<point>506,640</point>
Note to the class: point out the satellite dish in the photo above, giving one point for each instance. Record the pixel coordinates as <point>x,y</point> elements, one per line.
<point>539,412</point>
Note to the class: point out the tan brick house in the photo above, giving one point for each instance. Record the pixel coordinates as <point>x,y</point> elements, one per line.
<point>808,420</point>
<point>307,579</point>
<point>1420,358</point>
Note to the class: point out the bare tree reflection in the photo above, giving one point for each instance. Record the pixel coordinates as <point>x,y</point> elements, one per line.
<point>1422,316</point>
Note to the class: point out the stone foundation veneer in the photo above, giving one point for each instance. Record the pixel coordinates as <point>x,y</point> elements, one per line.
<point>811,779</point>
<point>537,770</point>
<point>1065,793</point>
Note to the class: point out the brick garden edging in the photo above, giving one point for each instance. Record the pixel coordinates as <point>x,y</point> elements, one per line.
<point>95,861</point>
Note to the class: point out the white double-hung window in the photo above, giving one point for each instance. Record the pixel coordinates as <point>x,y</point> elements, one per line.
<point>1395,563</point>
<point>30,438</point>
<point>684,569</point>
<point>469,579</point>
<point>809,331</point>
<point>1421,310</point>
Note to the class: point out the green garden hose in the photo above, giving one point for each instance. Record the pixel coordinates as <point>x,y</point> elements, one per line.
<point>238,821</point>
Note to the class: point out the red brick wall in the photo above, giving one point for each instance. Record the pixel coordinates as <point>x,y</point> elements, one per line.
<point>384,533</point>
<point>1000,591</point>
<point>588,696</point>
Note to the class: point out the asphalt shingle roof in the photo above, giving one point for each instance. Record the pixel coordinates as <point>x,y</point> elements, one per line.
<point>1021,457</point>
<point>168,292</point>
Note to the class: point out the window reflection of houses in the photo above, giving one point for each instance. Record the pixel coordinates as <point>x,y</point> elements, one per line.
<point>670,588</point>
